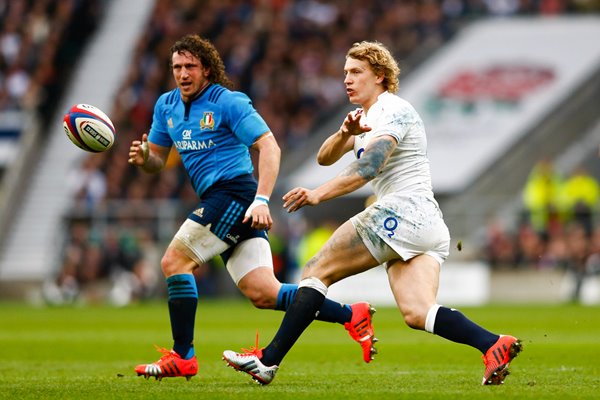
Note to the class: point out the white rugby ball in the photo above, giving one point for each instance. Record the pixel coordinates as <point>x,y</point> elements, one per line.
<point>89,128</point>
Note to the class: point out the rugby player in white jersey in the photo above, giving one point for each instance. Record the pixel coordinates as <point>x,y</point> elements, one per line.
<point>403,229</point>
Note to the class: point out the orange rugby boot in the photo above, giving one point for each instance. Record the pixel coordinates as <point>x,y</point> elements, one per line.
<point>498,358</point>
<point>361,330</point>
<point>169,365</point>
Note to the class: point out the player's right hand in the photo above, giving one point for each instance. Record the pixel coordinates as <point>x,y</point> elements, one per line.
<point>299,197</point>
<point>352,125</point>
<point>139,151</point>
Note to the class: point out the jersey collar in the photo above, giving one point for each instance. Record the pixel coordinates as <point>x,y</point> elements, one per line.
<point>204,89</point>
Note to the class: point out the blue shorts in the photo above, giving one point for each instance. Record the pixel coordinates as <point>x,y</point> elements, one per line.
<point>222,207</point>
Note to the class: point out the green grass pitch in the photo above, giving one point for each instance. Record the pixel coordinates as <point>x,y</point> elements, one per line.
<point>89,353</point>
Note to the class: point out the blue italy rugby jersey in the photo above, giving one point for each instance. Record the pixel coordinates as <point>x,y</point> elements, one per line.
<point>212,133</point>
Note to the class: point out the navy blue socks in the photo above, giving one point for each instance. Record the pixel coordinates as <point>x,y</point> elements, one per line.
<point>297,318</point>
<point>451,324</point>
<point>331,311</point>
<point>183,301</point>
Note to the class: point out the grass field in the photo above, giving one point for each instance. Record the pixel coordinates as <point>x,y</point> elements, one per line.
<point>90,352</point>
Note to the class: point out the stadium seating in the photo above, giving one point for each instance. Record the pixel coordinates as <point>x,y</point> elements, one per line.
<point>286,56</point>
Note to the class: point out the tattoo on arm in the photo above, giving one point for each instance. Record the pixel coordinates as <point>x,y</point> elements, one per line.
<point>372,161</point>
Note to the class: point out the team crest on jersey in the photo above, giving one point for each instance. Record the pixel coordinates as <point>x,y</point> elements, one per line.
<point>207,122</point>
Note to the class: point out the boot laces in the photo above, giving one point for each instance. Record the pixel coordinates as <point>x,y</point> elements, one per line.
<point>253,350</point>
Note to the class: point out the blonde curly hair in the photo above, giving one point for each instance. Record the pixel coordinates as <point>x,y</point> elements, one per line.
<point>381,61</point>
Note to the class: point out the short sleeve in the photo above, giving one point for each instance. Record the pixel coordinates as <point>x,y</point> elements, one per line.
<point>395,122</point>
<point>244,121</point>
<point>158,130</point>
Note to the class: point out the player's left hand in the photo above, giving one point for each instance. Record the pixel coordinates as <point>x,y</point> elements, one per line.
<point>260,215</point>
<point>299,197</point>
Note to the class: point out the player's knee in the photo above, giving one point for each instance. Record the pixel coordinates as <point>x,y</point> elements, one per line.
<point>412,321</point>
<point>260,299</point>
<point>167,264</point>
<point>261,296</point>
<point>260,287</point>
<point>174,262</point>
<point>261,303</point>
<point>413,318</point>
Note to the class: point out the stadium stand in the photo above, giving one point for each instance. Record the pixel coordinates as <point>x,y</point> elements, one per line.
<point>39,43</point>
<point>286,56</point>
<point>30,246</point>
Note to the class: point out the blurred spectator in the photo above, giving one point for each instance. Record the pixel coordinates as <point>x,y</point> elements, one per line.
<point>578,255</point>
<point>541,197</point>
<point>88,183</point>
<point>65,288</point>
<point>531,246</point>
<point>500,248</point>
<point>580,198</point>
<point>139,277</point>
<point>556,253</point>
<point>593,262</point>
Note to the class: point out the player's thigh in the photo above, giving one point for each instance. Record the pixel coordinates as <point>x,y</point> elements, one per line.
<point>414,284</point>
<point>195,242</point>
<point>246,257</point>
<point>343,255</point>
<point>251,268</point>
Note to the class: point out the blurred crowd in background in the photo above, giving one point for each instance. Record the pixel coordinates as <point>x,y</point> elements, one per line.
<point>40,41</point>
<point>558,228</point>
<point>287,56</point>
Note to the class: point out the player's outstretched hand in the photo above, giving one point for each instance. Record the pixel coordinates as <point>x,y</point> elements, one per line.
<point>299,197</point>
<point>352,125</point>
<point>138,151</point>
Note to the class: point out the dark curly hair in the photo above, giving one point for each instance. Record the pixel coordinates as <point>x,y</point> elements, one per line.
<point>208,55</point>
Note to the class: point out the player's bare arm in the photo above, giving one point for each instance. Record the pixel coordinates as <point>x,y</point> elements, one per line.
<point>350,179</point>
<point>148,156</point>
<point>269,157</point>
<point>342,141</point>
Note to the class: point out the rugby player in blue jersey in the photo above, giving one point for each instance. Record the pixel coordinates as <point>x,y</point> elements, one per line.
<point>213,128</point>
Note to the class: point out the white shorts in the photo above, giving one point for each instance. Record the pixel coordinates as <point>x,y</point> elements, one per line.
<point>401,226</point>
<point>201,245</point>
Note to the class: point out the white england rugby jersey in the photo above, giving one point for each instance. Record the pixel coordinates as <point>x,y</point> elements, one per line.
<point>407,170</point>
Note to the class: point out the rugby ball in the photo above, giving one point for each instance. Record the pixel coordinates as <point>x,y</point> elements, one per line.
<point>89,128</point>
